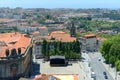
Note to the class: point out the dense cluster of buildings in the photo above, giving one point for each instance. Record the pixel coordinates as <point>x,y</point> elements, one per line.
<point>16,50</point>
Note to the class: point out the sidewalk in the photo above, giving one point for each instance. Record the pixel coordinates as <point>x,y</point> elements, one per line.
<point>86,67</point>
<point>82,71</point>
<point>112,71</point>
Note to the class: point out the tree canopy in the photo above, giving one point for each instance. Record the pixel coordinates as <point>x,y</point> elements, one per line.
<point>110,50</point>
<point>71,50</point>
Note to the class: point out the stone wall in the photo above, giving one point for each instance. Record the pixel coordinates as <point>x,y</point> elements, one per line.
<point>16,67</point>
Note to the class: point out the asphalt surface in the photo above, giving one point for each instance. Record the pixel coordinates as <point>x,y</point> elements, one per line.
<point>98,66</point>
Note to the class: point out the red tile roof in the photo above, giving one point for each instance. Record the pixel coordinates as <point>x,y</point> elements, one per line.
<point>89,35</point>
<point>13,40</point>
<point>59,36</point>
<point>62,36</point>
<point>44,77</point>
<point>43,27</point>
<point>56,76</point>
<point>60,32</point>
<point>36,32</point>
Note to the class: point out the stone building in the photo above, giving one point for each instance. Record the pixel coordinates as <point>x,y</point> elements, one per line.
<point>89,42</point>
<point>54,36</point>
<point>15,56</point>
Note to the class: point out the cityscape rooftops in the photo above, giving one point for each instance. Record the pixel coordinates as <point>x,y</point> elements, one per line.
<point>13,41</point>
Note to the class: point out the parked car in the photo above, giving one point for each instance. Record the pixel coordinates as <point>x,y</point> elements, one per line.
<point>93,75</point>
<point>99,59</point>
<point>83,51</point>
<point>106,77</point>
<point>104,73</point>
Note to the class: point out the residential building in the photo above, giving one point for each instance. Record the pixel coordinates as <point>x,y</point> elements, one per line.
<point>89,42</point>
<point>43,30</point>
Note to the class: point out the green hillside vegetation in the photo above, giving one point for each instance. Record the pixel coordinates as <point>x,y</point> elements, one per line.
<point>91,25</point>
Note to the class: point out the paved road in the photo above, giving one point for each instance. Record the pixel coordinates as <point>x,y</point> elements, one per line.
<point>98,66</point>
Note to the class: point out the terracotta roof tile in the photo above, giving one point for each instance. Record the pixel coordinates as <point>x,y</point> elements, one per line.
<point>13,40</point>
<point>59,36</point>
<point>58,32</point>
<point>43,27</point>
<point>36,32</point>
<point>62,36</point>
<point>57,77</point>
<point>45,77</point>
<point>89,35</point>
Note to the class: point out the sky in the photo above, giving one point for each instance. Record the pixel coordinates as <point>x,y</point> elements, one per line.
<point>61,3</point>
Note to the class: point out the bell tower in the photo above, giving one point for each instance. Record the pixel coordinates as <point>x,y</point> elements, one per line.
<point>72,30</point>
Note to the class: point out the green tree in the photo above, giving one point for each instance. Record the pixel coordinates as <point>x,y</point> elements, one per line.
<point>117,64</point>
<point>105,49</point>
<point>55,47</point>
<point>52,52</point>
<point>77,46</point>
<point>112,60</point>
<point>44,46</point>
<point>48,50</point>
<point>111,50</point>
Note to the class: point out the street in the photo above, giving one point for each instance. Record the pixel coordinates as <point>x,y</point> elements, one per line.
<point>98,66</point>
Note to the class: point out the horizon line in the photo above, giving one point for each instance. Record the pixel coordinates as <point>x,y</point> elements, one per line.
<point>56,8</point>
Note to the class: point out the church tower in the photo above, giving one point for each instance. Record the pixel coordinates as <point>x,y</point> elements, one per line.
<point>72,30</point>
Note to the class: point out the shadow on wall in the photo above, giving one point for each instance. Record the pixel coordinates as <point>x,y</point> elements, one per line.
<point>35,69</point>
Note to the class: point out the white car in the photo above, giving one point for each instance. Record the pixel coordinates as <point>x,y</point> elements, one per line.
<point>99,59</point>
